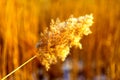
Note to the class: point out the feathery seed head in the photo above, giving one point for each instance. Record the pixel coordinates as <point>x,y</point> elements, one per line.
<point>56,43</point>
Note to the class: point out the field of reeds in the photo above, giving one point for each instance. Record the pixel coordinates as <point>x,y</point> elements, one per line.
<point>22,21</point>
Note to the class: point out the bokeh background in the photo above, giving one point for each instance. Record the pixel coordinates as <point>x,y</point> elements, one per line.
<point>22,21</point>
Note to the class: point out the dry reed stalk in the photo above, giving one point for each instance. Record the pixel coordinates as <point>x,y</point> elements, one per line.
<point>19,67</point>
<point>55,43</point>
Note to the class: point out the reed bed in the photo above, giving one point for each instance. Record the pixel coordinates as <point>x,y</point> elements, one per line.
<point>22,21</point>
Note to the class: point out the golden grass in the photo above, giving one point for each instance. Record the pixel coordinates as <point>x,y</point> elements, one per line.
<point>55,43</point>
<point>22,20</point>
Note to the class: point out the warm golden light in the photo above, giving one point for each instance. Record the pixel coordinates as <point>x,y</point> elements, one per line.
<point>22,21</point>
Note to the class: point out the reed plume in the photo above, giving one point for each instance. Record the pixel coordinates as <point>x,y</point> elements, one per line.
<point>56,42</point>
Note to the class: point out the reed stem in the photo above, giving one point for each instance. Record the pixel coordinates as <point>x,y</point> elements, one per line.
<point>19,67</point>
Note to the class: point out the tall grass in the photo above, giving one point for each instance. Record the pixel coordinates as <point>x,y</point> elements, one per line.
<point>21,21</point>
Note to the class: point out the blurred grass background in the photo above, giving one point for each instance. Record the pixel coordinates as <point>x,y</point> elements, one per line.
<point>21,22</point>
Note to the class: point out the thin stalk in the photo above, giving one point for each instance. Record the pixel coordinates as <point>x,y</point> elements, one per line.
<point>19,67</point>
